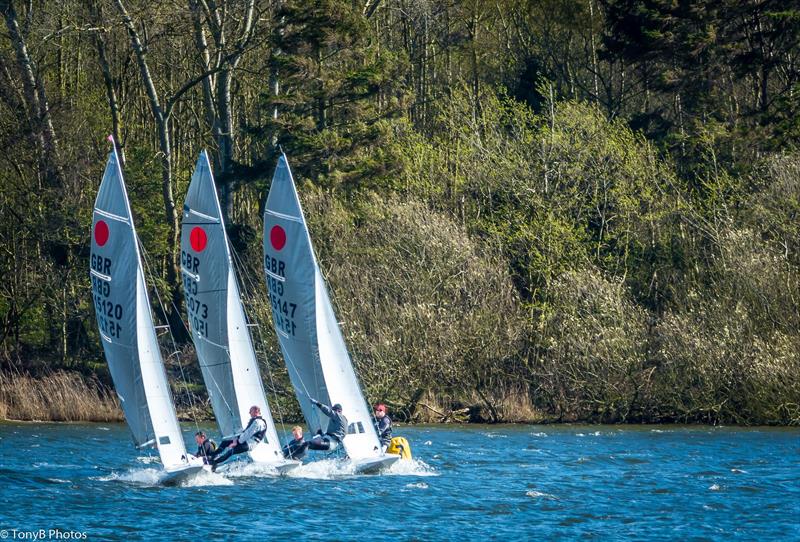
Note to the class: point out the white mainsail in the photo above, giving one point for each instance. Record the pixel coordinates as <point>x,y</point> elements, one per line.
<point>311,341</point>
<point>126,323</point>
<point>216,316</point>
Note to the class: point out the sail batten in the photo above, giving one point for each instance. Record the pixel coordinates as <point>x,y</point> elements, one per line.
<point>284,216</point>
<point>101,276</point>
<point>217,319</point>
<point>211,219</point>
<point>311,342</point>
<point>111,216</point>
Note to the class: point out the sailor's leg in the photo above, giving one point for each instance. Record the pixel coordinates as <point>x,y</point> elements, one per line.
<point>318,443</point>
<point>221,455</point>
<point>221,448</point>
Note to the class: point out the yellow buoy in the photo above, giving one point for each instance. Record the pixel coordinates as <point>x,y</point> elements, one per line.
<point>399,445</point>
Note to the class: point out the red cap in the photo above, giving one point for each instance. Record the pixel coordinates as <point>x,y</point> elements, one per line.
<point>380,407</point>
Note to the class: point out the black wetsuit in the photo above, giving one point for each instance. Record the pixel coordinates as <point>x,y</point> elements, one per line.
<point>295,449</point>
<point>384,426</point>
<point>334,435</point>
<point>205,450</point>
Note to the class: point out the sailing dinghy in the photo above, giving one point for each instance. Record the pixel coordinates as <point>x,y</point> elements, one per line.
<point>126,327</point>
<point>311,341</point>
<point>217,319</point>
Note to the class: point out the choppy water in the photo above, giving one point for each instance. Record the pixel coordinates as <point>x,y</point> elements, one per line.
<point>468,483</point>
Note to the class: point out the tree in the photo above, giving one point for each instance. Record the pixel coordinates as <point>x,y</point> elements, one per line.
<point>36,102</point>
<point>162,110</point>
<point>222,20</point>
<point>337,87</point>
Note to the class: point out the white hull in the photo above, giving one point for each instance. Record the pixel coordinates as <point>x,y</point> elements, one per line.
<point>175,477</point>
<point>375,465</point>
<point>282,467</point>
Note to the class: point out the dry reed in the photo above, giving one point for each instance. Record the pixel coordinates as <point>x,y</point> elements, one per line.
<point>60,396</point>
<point>508,405</point>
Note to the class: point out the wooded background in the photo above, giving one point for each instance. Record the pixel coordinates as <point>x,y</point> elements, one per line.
<point>526,209</point>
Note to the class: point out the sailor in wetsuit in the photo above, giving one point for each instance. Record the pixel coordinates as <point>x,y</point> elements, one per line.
<point>244,441</point>
<point>205,447</point>
<point>296,448</point>
<point>337,428</point>
<point>383,424</point>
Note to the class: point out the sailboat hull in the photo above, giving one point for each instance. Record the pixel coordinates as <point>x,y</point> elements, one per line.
<point>177,476</point>
<point>375,465</point>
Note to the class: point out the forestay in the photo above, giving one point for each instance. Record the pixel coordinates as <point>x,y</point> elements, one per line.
<point>126,325</point>
<point>309,335</point>
<point>217,318</point>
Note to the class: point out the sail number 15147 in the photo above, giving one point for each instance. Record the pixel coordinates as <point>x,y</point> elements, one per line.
<point>282,311</point>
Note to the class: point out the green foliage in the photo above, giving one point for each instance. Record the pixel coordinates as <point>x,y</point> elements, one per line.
<point>423,306</point>
<point>773,207</point>
<point>591,361</point>
<point>555,192</point>
<point>338,91</point>
<point>614,238</point>
<point>732,354</point>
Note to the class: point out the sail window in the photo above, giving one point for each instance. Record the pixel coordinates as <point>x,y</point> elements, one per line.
<point>354,428</point>
<point>163,440</point>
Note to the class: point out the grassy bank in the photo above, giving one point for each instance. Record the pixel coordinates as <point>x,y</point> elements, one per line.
<point>70,397</point>
<point>61,396</point>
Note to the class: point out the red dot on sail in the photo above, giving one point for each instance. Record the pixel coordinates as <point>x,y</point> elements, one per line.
<point>277,236</point>
<point>101,233</point>
<point>198,239</point>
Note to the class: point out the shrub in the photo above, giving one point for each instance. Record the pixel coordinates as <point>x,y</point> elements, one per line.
<point>589,363</point>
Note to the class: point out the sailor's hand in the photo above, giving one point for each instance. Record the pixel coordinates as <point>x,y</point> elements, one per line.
<point>233,443</point>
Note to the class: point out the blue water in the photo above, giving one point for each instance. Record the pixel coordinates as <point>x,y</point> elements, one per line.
<point>467,483</point>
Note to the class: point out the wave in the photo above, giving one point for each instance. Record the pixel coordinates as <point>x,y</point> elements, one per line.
<point>149,477</point>
<point>245,469</point>
<point>148,459</point>
<point>412,467</point>
<point>206,478</point>
<point>539,495</point>
<point>325,469</point>
<point>144,477</point>
<point>47,465</point>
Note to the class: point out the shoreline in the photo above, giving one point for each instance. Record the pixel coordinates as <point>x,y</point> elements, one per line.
<point>70,397</point>
<point>625,425</point>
